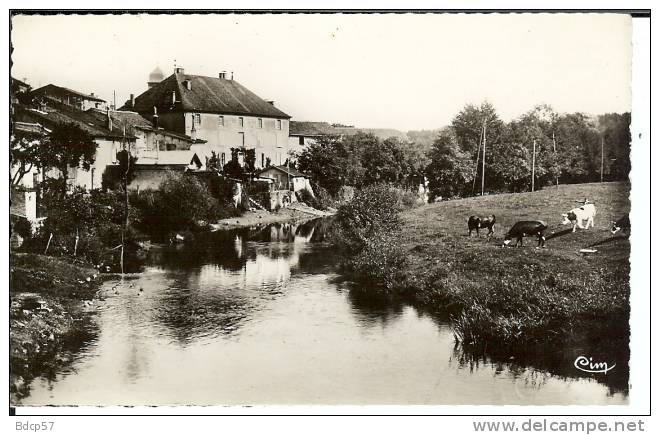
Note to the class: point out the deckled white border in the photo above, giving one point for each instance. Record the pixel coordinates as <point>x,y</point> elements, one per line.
<point>640,242</point>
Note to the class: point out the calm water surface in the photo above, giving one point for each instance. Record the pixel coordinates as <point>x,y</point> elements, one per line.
<point>259,317</point>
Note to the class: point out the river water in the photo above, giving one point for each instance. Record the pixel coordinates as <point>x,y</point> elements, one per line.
<point>258,316</point>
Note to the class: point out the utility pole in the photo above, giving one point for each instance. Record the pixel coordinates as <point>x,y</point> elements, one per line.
<point>483,162</point>
<point>601,158</point>
<point>533,163</point>
<point>476,172</point>
<point>554,150</point>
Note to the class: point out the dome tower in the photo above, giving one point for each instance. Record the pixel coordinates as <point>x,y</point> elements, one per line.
<point>155,77</point>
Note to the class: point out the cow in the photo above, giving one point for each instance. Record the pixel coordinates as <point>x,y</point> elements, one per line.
<point>579,214</point>
<point>526,228</point>
<point>622,225</point>
<point>475,222</point>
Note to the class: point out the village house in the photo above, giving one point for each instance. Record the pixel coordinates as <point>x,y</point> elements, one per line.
<point>218,110</point>
<point>286,178</point>
<point>113,131</point>
<point>149,173</point>
<point>69,97</point>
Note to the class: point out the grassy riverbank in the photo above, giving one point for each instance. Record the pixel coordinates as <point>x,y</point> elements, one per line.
<point>512,296</point>
<point>49,300</point>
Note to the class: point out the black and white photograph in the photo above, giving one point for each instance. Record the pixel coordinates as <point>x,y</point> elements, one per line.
<point>223,209</point>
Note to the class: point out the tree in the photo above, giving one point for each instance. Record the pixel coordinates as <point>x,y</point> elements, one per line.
<point>332,163</point>
<point>25,154</point>
<point>578,148</point>
<point>615,130</point>
<point>67,146</point>
<point>451,170</point>
<point>468,128</point>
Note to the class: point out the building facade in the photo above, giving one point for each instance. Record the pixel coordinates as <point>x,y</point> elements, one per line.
<point>219,111</point>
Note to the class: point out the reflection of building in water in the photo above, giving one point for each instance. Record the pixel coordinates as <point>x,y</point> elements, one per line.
<point>238,246</point>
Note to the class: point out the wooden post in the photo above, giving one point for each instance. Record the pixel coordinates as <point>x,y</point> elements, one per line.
<point>601,157</point>
<point>48,244</point>
<point>75,247</point>
<point>533,163</point>
<point>483,162</point>
<point>554,150</point>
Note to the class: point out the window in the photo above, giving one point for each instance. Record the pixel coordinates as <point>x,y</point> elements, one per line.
<point>240,121</point>
<point>260,123</point>
<point>221,120</point>
<point>197,119</point>
<point>279,124</point>
<point>263,160</point>
<point>301,140</point>
<point>222,159</point>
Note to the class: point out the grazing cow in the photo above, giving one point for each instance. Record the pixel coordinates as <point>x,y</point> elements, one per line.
<point>526,228</point>
<point>622,225</point>
<point>578,214</point>
<point>475,222</point>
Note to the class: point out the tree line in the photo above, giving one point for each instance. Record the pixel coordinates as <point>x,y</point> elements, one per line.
<point>557,148</point>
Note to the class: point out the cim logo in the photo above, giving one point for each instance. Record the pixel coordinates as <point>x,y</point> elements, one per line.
<point>588,365</point>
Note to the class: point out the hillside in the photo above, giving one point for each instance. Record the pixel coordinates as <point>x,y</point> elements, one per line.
<point>446,222</point>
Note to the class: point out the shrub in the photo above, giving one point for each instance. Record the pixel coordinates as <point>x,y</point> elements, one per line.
<point>366,233</point>
<point>182,202</point>
<point>21,226</point>
<point>379,263</point>
<point>373,210</point>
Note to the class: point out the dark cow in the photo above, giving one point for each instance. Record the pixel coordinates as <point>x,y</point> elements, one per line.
<point>526,228</point>
<point>622,225</point>
<point>475,222</point>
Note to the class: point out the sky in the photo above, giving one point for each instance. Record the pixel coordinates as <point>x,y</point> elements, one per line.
<point>402,71</point>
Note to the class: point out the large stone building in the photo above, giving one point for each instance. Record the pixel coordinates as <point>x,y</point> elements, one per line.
<point>218,110</point>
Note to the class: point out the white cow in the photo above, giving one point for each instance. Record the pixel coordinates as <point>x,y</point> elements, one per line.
<point>578,214</point>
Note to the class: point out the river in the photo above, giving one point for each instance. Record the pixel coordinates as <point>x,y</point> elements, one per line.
<point>259,316</point>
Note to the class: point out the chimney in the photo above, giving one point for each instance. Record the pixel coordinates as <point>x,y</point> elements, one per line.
<point>271,102</point>
<point>132,100</point>
<point>92,94</point>
<point>223,75</point>
<point>232,75</point>
<point>109,120</point>
<point>154,118</point>
<point>178,70</point>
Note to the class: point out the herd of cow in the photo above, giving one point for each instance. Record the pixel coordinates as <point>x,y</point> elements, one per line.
<point>576,217</point>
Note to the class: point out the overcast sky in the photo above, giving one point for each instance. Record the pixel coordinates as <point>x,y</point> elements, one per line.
<point>388,71</point>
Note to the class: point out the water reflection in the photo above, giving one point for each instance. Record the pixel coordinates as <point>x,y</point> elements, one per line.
<point>257,315</point>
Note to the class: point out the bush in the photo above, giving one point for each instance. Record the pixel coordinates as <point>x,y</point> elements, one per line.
<point>406,198</point>
<point>21,226</point>
<point>373,210</point>
<point>182,203</point>
<point>366,233</point>
<point>379,263</point>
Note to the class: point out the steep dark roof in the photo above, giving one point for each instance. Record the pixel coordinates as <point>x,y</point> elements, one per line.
<point>56,113</point>
<point>63,90</point>
<point>207,94</point>
<point>133,120</point>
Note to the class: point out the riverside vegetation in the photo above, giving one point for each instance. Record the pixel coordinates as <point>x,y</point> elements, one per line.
<point>500,299</point>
